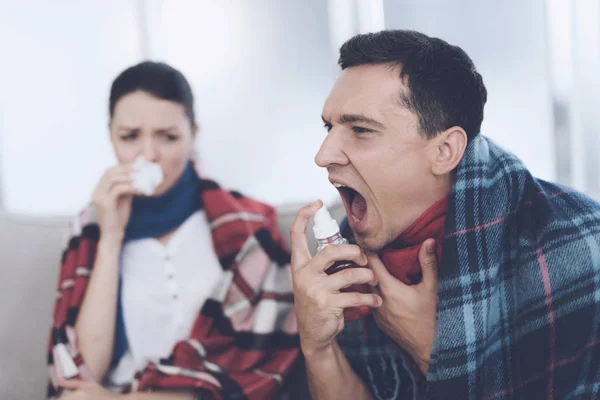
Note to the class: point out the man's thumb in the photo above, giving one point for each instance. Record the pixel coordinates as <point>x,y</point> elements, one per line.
<point>428,261</point>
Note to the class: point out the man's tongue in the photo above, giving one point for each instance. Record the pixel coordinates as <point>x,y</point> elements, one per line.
<point>358,207</point>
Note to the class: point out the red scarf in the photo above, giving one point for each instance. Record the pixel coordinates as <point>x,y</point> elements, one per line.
<point>401,257</point>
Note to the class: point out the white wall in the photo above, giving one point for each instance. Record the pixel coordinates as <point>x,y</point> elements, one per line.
<point>58,58</point>
<point>261,71</point>
<point>506,40</point>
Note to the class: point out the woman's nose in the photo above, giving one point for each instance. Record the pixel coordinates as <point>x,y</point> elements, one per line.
<point>149,151</point>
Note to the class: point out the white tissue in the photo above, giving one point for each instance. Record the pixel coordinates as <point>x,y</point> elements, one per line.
<point>66,366</point>
<point>147,176</point>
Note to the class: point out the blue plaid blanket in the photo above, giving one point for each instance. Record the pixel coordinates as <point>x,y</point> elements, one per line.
<point>519,296</point>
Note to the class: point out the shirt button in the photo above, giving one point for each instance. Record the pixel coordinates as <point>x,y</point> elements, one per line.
<point>174,297</point>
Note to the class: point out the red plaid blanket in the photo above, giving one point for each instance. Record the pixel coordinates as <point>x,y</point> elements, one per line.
<point>244,341</point>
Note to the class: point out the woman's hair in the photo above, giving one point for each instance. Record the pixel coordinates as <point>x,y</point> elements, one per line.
<point>157,79</point>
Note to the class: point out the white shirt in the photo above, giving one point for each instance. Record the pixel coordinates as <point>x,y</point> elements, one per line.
<point>164,287</point>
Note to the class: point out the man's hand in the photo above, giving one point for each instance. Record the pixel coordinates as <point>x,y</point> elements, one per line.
<point>408,313</point>
<point>319,303</point>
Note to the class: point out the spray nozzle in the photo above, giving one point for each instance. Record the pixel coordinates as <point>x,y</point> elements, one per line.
<point>325,226</point>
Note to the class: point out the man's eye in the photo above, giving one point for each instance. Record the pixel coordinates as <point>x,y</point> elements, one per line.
<point>360,129</point>
<point>327,127</point>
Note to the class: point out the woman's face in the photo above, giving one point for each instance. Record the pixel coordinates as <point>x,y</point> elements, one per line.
<point>158,129</point>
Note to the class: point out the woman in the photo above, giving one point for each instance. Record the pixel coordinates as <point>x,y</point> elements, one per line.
<point>186,291</point>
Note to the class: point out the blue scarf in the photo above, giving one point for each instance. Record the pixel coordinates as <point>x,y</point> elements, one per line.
<point>156,216</point>
<point>153,217</point>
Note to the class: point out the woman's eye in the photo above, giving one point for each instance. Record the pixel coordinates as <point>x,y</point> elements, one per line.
<point>327,127</point>
<point>171,138</point>
<point>129,137</point>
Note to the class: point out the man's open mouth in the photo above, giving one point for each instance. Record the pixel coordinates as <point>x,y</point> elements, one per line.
<point>355,203</point>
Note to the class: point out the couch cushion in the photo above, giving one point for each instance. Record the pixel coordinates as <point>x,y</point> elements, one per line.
<point>30,249</point>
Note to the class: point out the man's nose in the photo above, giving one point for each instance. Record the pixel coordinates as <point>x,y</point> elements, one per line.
<point>331,151</point>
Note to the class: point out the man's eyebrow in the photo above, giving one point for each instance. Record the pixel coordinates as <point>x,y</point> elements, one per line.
<point>353,118</point>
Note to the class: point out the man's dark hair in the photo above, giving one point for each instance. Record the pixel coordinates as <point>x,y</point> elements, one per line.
<point>157,79</point>
<point>445,89</point>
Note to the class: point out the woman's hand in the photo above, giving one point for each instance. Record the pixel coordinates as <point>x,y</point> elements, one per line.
<point>81,390</point>
<point>112,199</point>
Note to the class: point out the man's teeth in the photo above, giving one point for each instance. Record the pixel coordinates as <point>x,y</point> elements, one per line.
<point>338,185</point>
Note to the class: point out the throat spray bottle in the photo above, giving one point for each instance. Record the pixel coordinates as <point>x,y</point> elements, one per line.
<point>327,232</point>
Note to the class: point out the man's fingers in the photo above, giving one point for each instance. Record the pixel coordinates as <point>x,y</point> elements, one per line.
<point>428,261</point>
<point>356,299</point>
<point>385,280</point>
<point>348,277</point>
<point>300,252</point>
<point>338,252</point>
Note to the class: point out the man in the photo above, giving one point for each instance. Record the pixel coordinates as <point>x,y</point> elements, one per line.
<point>512,309</point>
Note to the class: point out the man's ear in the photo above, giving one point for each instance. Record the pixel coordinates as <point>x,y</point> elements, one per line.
<point>449,149</point>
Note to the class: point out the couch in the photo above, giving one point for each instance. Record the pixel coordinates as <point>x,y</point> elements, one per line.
<point>30,248</point>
